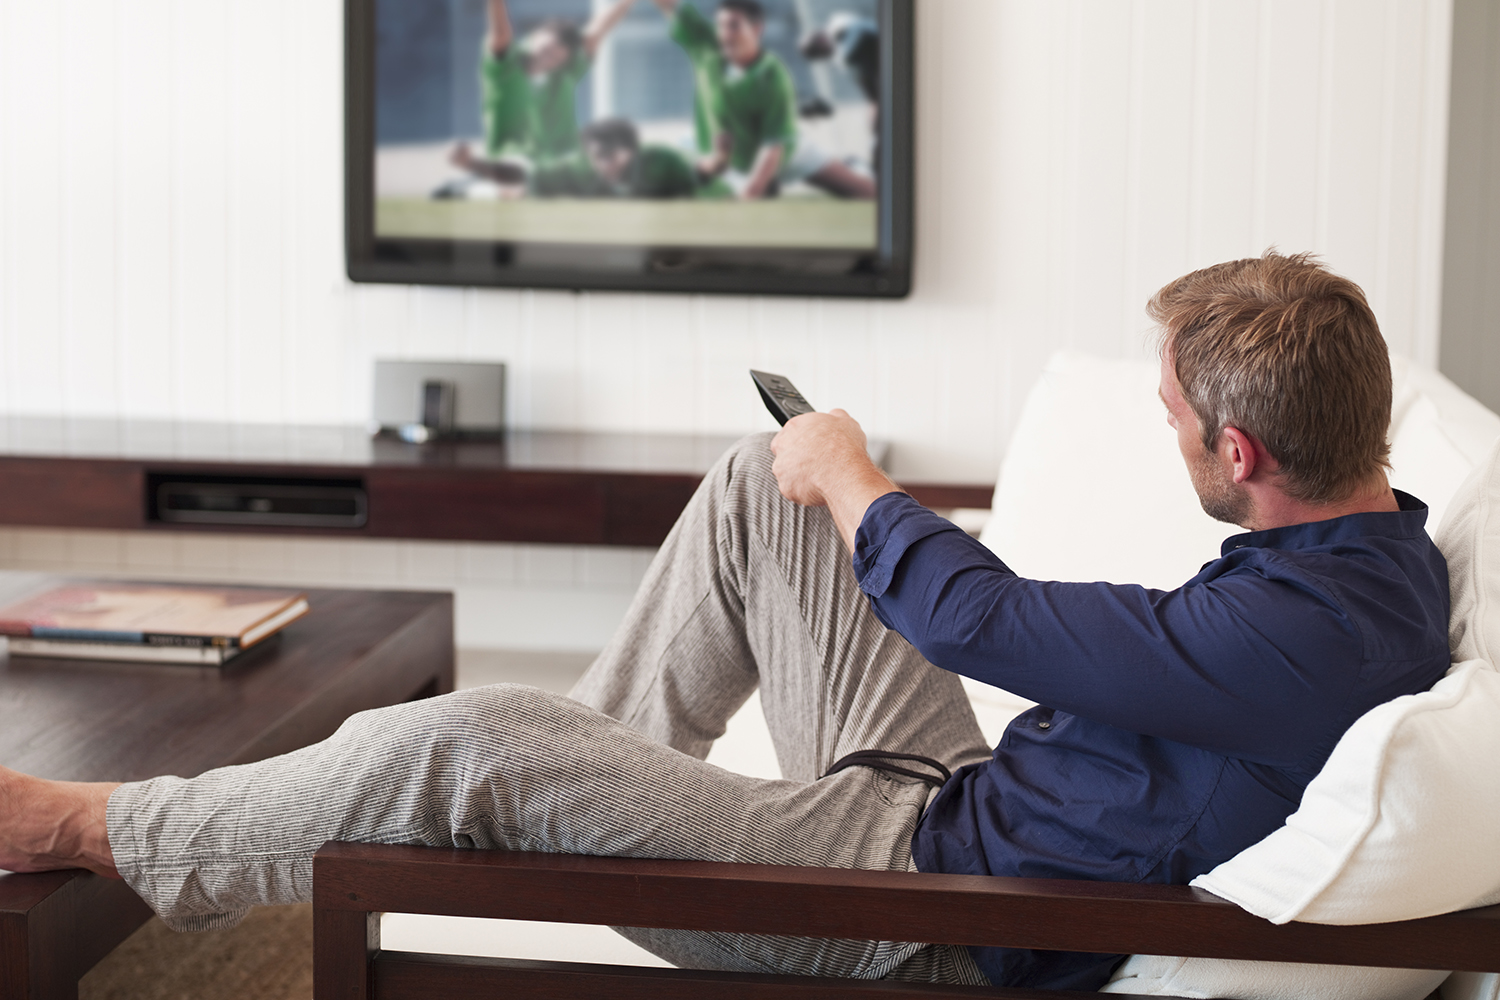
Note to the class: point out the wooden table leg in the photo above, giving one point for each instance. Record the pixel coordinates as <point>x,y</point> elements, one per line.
<point>56,926</point>
<point>343,962</point>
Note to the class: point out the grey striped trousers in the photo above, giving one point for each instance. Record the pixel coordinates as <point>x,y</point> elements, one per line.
<point>748,591</point>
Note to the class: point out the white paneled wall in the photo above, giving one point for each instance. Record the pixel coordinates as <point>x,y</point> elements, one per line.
<point>170,219</point>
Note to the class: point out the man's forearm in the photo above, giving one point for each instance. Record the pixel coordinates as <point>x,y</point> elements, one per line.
<point>500,33</point>
<point>767,165</point>
<point>602,24</point>
<point>850,494</point>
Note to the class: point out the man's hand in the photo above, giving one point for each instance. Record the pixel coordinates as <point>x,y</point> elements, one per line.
<point>821,461</point>
<point>716,162</point>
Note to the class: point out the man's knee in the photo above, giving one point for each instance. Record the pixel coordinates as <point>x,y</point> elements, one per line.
<point>748,462</point>
<point>752,448</point>
<point>461,719</point>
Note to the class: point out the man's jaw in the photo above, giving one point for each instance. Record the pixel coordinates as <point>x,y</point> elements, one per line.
<point>1221,498</point>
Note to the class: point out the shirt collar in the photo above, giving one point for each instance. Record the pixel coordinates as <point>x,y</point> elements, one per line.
<point>1408,522</point>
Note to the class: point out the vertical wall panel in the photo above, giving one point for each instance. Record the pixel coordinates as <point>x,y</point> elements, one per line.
<point>200,220</point>
<point>1101,118</point>
<point>184,259</point>
<point>611,362</point>
<point>1358,54</point>
<point>88,168</point>
<point>35,292</point>
<point>1162,154</point>
<point>145,253</point>
<point>1224,139</point>
<point>260,218</point>
<point>666,382</point>
<point>725,350</point>
<point>8,126</point>
<point>1289,149</point>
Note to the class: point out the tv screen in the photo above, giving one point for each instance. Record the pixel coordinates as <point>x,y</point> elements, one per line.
<point>671,145</point>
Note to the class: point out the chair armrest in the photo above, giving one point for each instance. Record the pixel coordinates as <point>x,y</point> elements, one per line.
<point>1049,914</point>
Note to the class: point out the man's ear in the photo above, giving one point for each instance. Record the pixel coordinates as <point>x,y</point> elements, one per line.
<point>1242,454</point>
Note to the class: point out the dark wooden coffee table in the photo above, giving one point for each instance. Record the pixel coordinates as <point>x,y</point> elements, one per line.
<point>88,721</point>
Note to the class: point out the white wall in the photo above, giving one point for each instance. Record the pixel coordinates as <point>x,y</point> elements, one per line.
<point>170,219</point>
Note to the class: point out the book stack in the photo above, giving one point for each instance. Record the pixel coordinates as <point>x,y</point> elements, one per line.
<point>148,622</point>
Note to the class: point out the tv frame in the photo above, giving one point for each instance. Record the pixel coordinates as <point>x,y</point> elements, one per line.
<point>884,272</point>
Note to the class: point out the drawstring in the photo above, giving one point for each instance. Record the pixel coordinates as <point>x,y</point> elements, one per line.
<point>880,760</point>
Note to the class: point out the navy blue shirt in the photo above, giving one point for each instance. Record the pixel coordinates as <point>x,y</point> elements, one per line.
<point>1174,728</point>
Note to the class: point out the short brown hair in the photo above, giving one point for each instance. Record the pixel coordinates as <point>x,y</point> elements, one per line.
<point>1290,353</point>
<point>612,134</point>
<point>750,10</point>
<point>568,34</point>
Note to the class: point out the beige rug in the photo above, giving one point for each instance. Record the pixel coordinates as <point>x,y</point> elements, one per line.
<point>268,957</point>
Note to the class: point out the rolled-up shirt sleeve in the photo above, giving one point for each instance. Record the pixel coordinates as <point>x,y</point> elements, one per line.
<point>892,524</point>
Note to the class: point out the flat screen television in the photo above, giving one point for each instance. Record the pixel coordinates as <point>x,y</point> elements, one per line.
<point>736,146</point>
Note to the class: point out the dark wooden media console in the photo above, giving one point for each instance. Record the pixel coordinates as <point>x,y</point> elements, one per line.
<point>584,488</point>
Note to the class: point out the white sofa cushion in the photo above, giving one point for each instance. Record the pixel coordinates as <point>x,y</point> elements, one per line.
<point>1398,824</point>
<point>1050,520</point>
<point>1439,434</point>
<point>1470,539</point>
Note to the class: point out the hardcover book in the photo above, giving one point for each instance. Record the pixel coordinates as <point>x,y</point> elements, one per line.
<point>137,621</point>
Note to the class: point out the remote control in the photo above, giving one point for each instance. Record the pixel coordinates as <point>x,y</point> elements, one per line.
<point>782,398</point>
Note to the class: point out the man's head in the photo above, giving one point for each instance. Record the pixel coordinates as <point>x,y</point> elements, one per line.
<point>550,45</point>
<point>611,146</point>
<point>740,25</point>
<point>1275,354</point>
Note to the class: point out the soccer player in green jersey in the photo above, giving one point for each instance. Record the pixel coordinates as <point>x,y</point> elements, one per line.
<point>529,86</point>
<point>745,104</point>
<point>613,164</point>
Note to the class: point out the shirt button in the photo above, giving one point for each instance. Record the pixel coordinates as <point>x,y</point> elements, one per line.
<point>1044,725</point>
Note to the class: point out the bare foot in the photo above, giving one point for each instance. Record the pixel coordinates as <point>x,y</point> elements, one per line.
<point>47,825</point>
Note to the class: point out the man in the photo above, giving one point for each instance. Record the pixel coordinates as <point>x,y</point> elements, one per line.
<point>1173,730</point>
<point>745,106</point>
<point>613,164</point>
<point>529,88</point>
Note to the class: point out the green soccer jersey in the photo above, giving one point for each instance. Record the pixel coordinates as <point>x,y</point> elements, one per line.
<point>658,172</point>
<point>509,111</point>
<point>662,172</point>
<point>756,106</point>
<point>556,109</point>
<point>533,117</point>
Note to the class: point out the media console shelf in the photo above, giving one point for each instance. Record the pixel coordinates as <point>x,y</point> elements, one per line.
<point>585,488</point>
